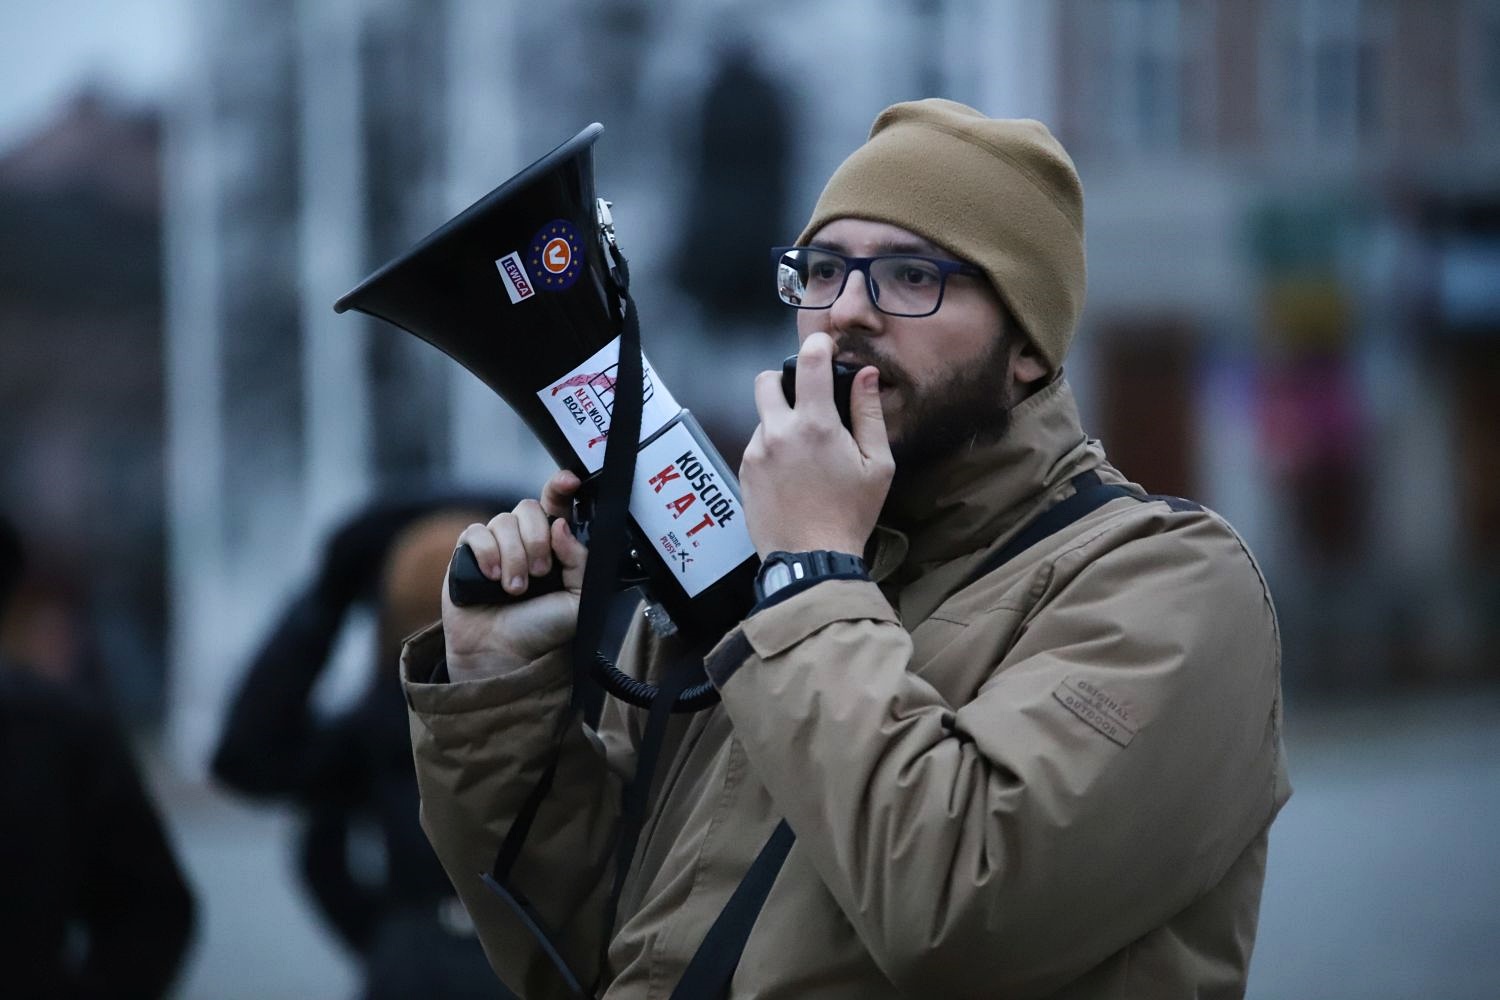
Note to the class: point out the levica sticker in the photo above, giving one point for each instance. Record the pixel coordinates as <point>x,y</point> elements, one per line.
<point>556,256</point>
<point>513,275</point>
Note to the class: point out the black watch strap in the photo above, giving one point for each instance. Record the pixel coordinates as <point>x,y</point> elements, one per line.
<point>783,574</point>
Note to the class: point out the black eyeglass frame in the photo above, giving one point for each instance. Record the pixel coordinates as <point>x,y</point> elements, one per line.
<point>944,266</point>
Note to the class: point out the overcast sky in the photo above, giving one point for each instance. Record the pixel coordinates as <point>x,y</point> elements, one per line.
<point>50,48</point>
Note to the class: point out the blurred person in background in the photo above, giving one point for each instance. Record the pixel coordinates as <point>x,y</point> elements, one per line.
<point>93,903</point>
<point>47,632</point>
<point>350,775</point>
<point>1008,724</point>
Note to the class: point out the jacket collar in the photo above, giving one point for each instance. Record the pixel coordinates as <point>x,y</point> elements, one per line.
<point>969,501</point>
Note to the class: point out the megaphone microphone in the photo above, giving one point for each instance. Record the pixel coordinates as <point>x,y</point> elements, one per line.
<point>528,290</point>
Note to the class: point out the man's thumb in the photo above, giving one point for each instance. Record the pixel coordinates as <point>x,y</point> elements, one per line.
<point>866,413</point>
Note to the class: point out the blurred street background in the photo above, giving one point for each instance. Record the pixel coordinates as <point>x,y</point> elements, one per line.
<point>1293,228</point>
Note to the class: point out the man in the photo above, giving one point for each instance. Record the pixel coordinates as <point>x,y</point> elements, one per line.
<point>1012,770</point>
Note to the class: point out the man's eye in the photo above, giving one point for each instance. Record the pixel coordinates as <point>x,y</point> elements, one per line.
<point>824,272</point>
<point>915,275</point>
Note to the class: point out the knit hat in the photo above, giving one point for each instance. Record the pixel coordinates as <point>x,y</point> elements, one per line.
<point>999,193</point>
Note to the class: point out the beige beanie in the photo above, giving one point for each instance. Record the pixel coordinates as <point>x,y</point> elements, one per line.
<point>999,193</point>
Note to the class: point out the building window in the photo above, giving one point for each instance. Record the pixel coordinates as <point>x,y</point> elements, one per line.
<point>1483,68</point>
<point>1324,73</point>
<point>1147,73</point>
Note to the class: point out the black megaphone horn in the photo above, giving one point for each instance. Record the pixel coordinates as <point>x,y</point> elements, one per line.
<point>526,289</point>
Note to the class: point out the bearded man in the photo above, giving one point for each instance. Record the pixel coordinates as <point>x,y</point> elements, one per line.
<point>1021,718</point>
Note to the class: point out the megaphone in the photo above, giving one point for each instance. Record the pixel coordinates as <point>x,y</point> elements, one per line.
<point>525,289</point>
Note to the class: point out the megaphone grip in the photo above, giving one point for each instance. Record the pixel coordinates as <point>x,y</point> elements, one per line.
<point>468,587</point>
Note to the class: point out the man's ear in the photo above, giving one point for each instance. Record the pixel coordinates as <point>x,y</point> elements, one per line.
<point>1027,366</point>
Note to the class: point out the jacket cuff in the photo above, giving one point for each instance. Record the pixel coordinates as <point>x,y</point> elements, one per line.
<point>798,586</point>
<point>777,627</point>
<point>423,661</point>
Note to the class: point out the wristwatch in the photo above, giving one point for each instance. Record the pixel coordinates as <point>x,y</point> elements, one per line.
<point>780,570</point>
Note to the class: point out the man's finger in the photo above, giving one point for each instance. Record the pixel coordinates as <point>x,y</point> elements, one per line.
<point>514,574</point>
<point>770,403</point>
<point>557,493</point>
<point>571,554</point>
<point>481,541</point>
<point>531,521</point>
<point>867,416</point>
<point>815,376</point>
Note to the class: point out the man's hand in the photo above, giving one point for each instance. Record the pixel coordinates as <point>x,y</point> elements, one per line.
<point>808,483</point>
<point>514,546</point>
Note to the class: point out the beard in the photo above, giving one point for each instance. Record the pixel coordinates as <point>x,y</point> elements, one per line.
<point>970,407</point>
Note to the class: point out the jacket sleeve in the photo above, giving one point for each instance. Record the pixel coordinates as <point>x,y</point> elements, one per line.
<point>269,734</point>
<point>1120,756</point>
<point>480,747</point>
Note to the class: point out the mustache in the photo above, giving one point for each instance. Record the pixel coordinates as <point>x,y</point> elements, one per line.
<point>859,352</point>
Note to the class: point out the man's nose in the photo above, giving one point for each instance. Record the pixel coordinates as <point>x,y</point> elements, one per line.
<point>854,306</point>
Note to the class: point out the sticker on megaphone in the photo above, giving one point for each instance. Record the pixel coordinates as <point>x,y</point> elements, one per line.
<point>582,400</point>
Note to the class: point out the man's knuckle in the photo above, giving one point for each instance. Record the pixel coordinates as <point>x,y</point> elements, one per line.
<point>820,430</point>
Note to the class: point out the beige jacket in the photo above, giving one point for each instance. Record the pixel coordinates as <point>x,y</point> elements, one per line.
<point>1055,782</point>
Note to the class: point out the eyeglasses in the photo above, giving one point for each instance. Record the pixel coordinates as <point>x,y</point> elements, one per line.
<point>899,284</point>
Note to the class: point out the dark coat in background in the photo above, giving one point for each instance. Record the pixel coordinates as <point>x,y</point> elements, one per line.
<point>93,903</point>
<point>350,774</point>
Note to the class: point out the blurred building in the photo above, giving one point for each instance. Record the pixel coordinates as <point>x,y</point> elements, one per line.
<point>1295,296</point>
<point>313,143</point>
<point>317,140</point>
<point>81,393</point>
<point>1291,234</point>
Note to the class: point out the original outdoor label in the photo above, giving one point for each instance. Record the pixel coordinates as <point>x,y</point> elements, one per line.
<point>581,402</point>
<point>517,285</point>
<point>689,512</point>
<point>1099,709</point>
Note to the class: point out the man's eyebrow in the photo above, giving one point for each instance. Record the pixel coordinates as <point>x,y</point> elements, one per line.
<point>911,245</point>
<point>897,245</point>
<point>833,245</point>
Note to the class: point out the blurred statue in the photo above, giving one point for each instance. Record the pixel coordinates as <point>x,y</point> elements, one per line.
<point>351,775</point>
<point>93,903</point>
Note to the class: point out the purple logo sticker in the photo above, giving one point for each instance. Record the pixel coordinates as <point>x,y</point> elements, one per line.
<point>556,256</point>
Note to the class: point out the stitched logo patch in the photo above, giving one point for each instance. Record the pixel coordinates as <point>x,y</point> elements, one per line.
<point>1093,705</point>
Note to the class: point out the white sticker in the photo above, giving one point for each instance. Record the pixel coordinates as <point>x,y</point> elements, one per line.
<point>517,284</point>
<point>689,512</point>
<point>582,400</point>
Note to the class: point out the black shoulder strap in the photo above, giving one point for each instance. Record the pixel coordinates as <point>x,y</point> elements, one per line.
<point>607,543</point>
<point>1090,494</point>
<point>708,974</point>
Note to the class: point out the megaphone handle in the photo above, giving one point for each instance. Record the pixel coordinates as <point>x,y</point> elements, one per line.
<point>468,587</point>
